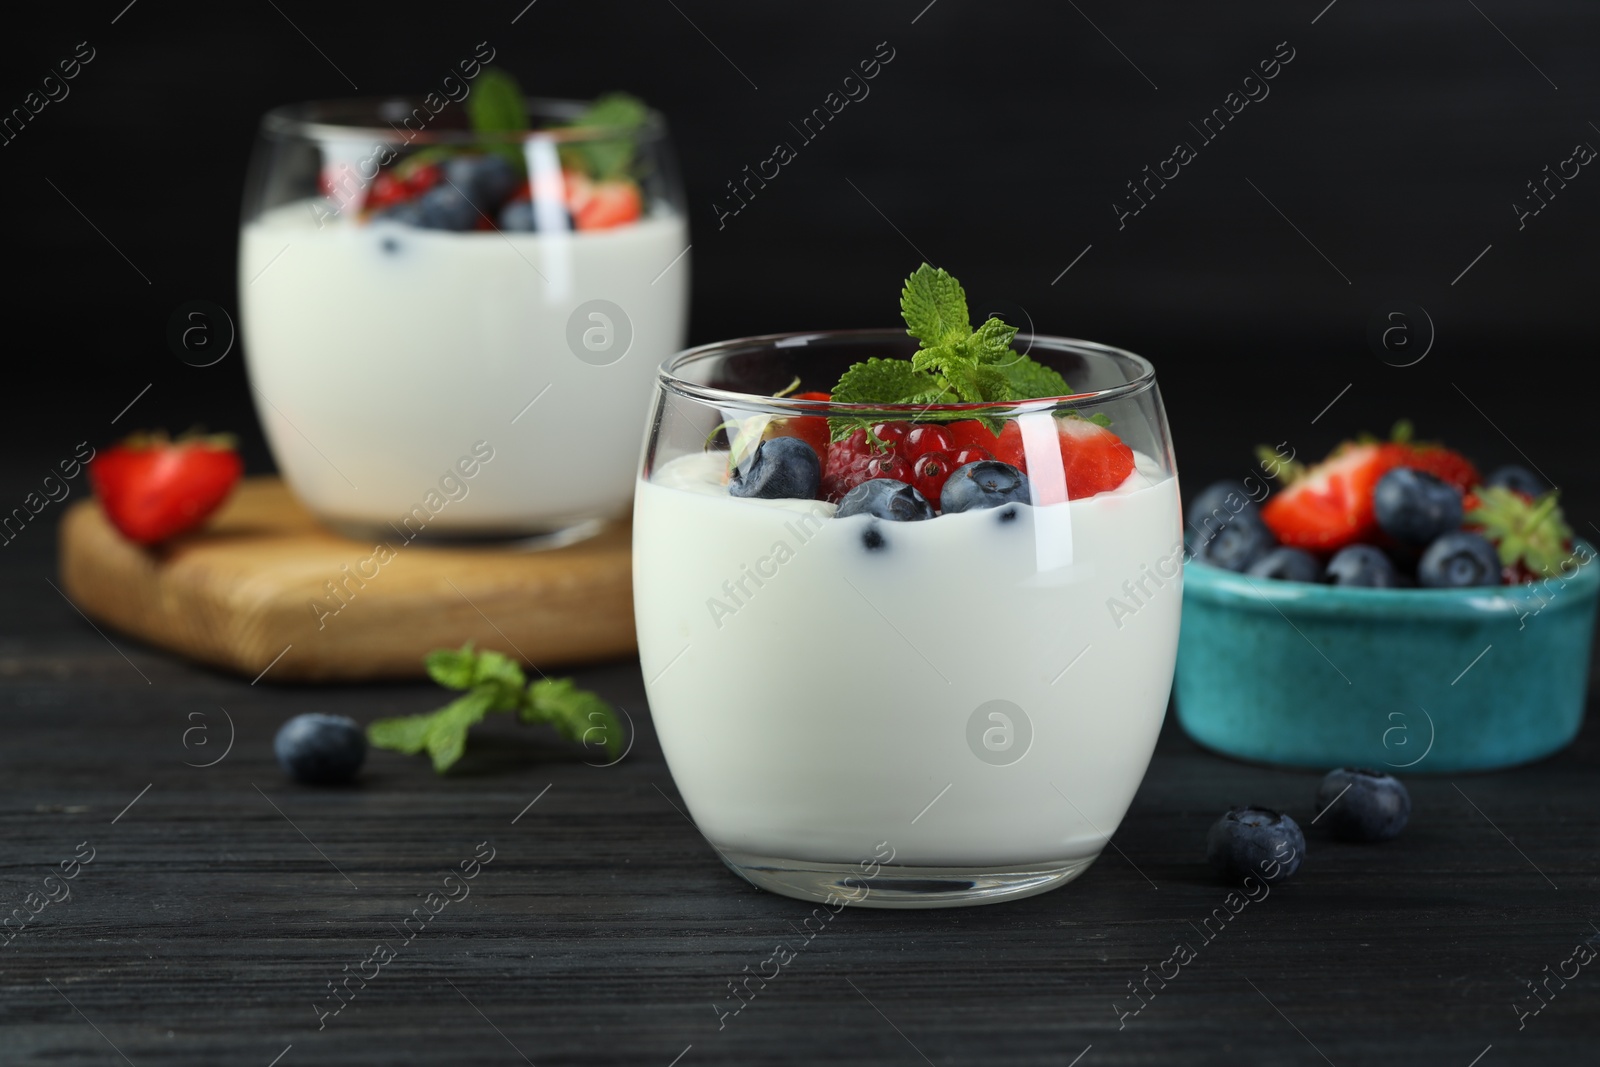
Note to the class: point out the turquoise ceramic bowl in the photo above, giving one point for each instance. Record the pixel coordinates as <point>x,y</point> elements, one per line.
<point>1416,680</point>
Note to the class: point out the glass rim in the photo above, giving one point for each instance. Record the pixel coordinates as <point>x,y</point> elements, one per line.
<point>298,120</point>
<point>669,380</point>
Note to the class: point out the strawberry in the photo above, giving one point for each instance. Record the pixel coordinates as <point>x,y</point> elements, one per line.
<point>1441,462</point>
<point>1330,506</point>
<point>153,489</point>
<point>1007,448</point>
<point>610,203</point>
<point>812,429</point>
<point>1095,458</point>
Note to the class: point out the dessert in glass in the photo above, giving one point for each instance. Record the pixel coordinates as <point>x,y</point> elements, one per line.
<point>428,294</point>
<point>913,653</point>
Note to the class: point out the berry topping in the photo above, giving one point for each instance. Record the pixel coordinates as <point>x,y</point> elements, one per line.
<point>1255,841</point>
<point>1414,507</point>
<point>1237,545</point>
<point>845,465</point>
<point>885,498</point>
<point>1362,565</point>
<point>1362,805</point>
<point>1005,447</point>
<point>1288,565</point>
<point>924,439</point>
<point>1330,506</point>
<point>320,749</point>
<point>930,471</point>
<point>487,180</point>
<point>153,489</point>
<point>1518,480</point>
<point>610,203</point>
<point>1096,460</point>
<point>780,468</point>
<point>812,429</point>
<point>985,484</point>
<point>1459,560</point>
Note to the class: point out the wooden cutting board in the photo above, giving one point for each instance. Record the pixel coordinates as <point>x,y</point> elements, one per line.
<point>239,594</point>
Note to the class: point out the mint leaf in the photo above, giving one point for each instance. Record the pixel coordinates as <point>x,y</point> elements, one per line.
<point>577,714</point>
<point>877,381</point>
<point>408,734</point>
<point>610,157</point>
<point>991,342</point>
<point>935,307</point>
<point>496,104</point>
<point>494,682</point>
<point>452,668</point>
<point>1030,380</point>
<point>447,733</point>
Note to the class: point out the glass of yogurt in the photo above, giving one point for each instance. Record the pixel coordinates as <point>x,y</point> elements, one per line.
<point>450,332</point>
<point>922,669</point>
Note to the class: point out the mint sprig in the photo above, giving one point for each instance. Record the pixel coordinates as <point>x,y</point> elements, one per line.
<point>494,682</point>
<point>954,363</point>
<point>611,158</point>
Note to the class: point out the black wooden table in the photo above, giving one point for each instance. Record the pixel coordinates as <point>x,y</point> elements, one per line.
<point>213,909</point>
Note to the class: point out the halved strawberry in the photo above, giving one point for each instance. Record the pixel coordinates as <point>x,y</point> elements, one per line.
<point>1330,506</point>
<point>1007,447</point>
<point>153,489</point>
<point>1096,460</point>
<point>610,203</point>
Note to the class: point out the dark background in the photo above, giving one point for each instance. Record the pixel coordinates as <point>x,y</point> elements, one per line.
<point>996,141</point>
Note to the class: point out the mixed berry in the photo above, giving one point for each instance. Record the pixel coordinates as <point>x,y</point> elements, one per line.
<point>1386,514</point>
<point>489,188</point>
<point>904,471</point>
<point>909,470</point>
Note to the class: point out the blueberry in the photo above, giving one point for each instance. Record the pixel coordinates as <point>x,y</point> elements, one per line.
<point>1518,480</point>
<point>1237,545</point>
<point>1361,565</point>
<point>986,483</point>
<point>1255,841</point>
<point>520,216</point>
<point>487,180</point>
<point>322,749</point>
<point>1458,560</point>
<point>1415,507</point>
<point>780,467</point>
<point>1217,505</point>
<point>1287,565</point>
<point>440,208</point>
<point>1362,805</point>
<point>885,498</point>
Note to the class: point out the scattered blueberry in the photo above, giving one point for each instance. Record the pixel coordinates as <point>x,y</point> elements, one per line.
<point>1287,565</point>
<point>1008,515</point>
<point>1518,480</point>
<point>1362,565</point>
<point>872,538</point>
<point>986,483</point>
<point>1458,560</point>
<point>1218,504</point>
<point>1361,805</point>
<point>885,498</point>
<point>1237,545</point>
<point>390,246</point>
<point>780,467</point>
<point>1415,507</point>
<point>486,180</point>
<point>322,749</point>
<point>1255,841</point>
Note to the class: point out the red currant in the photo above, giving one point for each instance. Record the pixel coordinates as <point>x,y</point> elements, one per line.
<point>925,439</point>
<point>892,433</point>
<point>962,456</point>
<point>929,472</point>
<point>888,465</point>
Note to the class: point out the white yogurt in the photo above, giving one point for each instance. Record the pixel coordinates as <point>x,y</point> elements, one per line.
<point>379,354</point>
<point>813,696</point>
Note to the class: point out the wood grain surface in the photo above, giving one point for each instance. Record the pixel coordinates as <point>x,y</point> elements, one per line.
<point>263,580</point>
<point>220,905</point>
